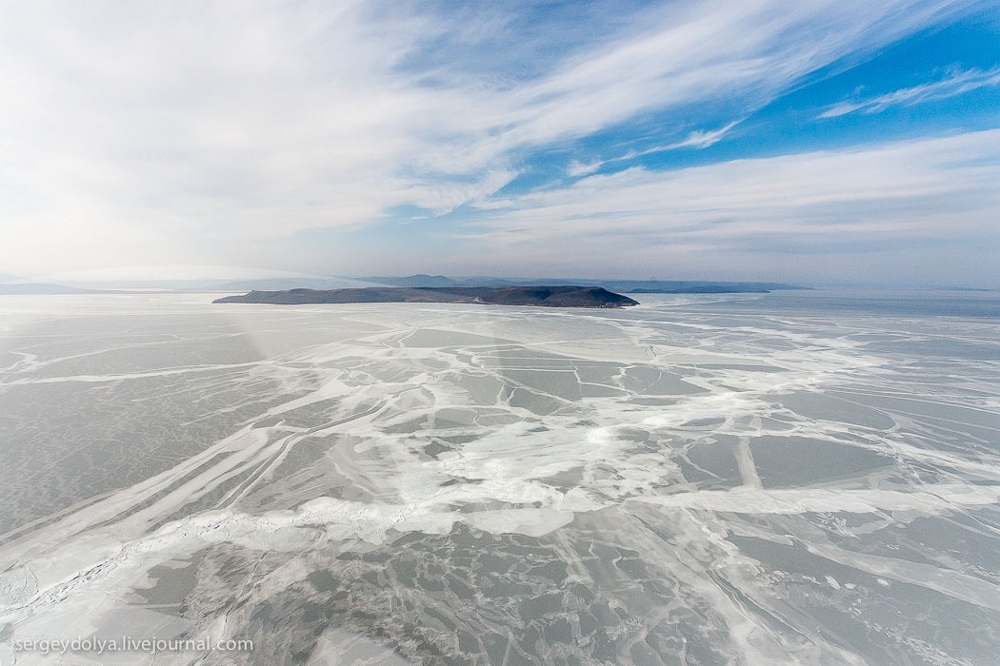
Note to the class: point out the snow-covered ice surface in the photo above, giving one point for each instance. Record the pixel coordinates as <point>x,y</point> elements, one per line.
<point>780,479</point>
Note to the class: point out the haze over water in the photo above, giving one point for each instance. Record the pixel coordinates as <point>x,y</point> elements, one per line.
<point>792,478</point>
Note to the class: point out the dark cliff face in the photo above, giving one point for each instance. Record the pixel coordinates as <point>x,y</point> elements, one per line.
<point>545,296</point>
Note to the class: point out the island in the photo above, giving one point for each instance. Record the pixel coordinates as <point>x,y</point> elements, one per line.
<point>570,296</point>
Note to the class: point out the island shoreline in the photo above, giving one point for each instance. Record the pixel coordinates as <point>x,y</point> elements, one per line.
<point>562,296</point>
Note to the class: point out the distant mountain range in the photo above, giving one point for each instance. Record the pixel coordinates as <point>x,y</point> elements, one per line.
<point>41,289</point>
<point>421,280</point>
<point>623,286</point>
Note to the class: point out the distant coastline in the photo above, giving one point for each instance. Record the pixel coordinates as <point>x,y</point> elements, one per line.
<point>14,285</point>
<point>570,296</point>
<point>651,286</point>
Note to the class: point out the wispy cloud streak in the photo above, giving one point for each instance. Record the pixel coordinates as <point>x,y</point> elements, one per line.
<point>702,138</point>
<point>698,139</point>
<point>955,84</point>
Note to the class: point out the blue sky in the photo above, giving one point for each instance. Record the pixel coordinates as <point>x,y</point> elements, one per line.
<point>820,142</point>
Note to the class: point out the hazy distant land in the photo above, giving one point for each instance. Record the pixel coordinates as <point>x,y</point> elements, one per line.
<point>651,286</point>
<point>15,285</point>
<point>544,296</point>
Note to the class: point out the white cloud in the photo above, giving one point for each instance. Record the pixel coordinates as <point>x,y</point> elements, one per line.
<point>181,132</point>
<point>698,139</point>
<point>956,83</point>
<point>702,138</point>
<point>770,213</point>
<point>577,169</point>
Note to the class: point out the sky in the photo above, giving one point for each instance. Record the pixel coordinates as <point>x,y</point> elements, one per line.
<point>840,141</point>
